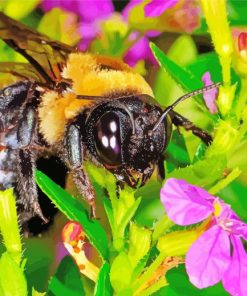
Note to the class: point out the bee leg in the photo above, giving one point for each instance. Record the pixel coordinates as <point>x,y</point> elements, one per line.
<point>161,168</point>
<point>26,188</point>
<point>179,120</point>
<point>74,159</point>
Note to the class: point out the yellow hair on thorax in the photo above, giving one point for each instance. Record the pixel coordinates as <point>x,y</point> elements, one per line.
<point>55,111</point>
<point>89,76</point>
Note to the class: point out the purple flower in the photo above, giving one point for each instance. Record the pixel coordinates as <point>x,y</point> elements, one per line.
<point>210,95</point>
<point>90,12</point>
<point>209,259</point>
<point>156,7</point>
<point>140,50</point>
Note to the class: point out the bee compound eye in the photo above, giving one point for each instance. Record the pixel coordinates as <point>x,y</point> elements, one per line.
<point>108,139</point>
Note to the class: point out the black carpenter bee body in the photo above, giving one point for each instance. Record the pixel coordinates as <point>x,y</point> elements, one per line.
<point>77,106</point>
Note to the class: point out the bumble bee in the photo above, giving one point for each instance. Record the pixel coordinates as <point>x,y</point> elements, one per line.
<point>77,106</point>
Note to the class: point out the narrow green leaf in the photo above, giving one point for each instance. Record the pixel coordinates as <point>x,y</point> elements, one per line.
<point>12,279</point>
<point>74,211</point>
<point>67,280</point>
<point>184,78</point>
<point>9,224</point>
<point>103,285</point>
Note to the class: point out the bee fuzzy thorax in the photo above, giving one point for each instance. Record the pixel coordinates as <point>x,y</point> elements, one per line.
<point>56,110</point>
<point>94,75</point>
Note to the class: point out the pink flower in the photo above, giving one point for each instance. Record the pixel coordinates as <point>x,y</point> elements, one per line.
<point>209,259</point>
<point>90,12</point>
<point>210,95</point>
<point>140,50</point>
<point>156,7</point>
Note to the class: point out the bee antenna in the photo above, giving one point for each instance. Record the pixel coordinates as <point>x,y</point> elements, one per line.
<point>181,99</point>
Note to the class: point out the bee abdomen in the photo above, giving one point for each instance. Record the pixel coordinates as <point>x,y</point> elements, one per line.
<point>7,168</point>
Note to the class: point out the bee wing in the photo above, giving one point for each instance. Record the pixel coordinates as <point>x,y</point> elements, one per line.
<point>22,70</point>
<point>46,56</point>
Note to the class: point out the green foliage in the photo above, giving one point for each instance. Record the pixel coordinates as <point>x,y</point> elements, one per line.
<point>12,279</point>
<point>67,280</point>
<point>178,275</point>
<point>9,225</point>
<point>103,285</point>
<point>185,79</point>
<point>75,211</point>
<point>133,235</point>
<point>121,280</point>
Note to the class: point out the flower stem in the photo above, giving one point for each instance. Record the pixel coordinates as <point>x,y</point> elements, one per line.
<point>155,287</point>
<point>223,183</point>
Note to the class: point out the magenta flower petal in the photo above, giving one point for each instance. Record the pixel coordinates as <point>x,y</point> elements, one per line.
<point>88,32</point>
<point>140,51</point>
<point>156,7</point>
<point>208,258</point>
<point>210,95</point>
<point>88,10</point>
<point>185,204</point>
<point>234,280</point>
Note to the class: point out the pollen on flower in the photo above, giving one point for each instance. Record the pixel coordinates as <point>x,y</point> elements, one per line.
<point>217,209</point>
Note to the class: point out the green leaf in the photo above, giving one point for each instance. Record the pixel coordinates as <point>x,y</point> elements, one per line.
<point>178,155</point>
<point>184,78</point>
<point>203,172</point>
<point>74,211</point>
<point>139,243</point>
<point>206,62</point>
<point>9,224</point>
<point>140,266</point>
<point>178,275</point>
<point>150,208</point>
<point>209,62</point>
<point>121,271</point>
<point>103,285</point>
<point>67,280</point>
<point>12,279</point>
<point>235,195</point>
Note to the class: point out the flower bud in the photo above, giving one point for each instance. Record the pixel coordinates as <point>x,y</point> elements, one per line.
<point>74,239</point>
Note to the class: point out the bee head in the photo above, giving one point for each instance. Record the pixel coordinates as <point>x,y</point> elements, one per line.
<point>121,137</point>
